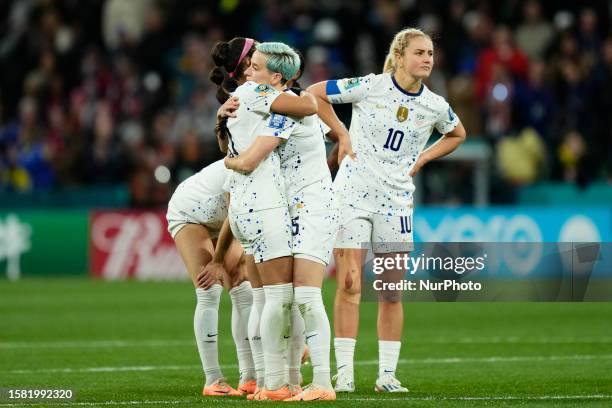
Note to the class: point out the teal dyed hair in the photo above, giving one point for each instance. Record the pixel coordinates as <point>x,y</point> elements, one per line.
<point>281,58</point>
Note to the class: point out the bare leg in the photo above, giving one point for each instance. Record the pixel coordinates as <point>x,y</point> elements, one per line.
<point>390,324</point>
<point>196,248</point>
<point>349,264</point>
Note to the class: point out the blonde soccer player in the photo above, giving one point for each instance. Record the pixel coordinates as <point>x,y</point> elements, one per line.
<point>394,114</point>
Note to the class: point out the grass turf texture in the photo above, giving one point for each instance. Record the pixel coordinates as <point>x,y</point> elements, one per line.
<point>131,343</point>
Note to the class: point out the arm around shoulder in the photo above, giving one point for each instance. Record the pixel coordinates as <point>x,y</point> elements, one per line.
<point>303,105</point>
<point>255,154</point>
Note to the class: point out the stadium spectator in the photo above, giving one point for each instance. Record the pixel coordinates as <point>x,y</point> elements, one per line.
<point>535,33</point>
<point>500,59</point>
<point>146,58</point>
<point>534,102</point>
<point>28,155</point>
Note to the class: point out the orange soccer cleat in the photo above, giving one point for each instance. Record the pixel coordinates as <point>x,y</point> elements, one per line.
<point>275,395</point>
<point>294,389</point>
<point>255,396</point>
<point>220,389</point>
<point>248,387</point>
<point>314,393</point>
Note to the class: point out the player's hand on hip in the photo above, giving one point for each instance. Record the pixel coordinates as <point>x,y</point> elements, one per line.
<point>229,108</point>
<point>345,148</point>
<point>211,274</point>
<point>421,161</point>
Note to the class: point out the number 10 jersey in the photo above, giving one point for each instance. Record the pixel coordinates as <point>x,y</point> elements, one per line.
<point>389,129</point>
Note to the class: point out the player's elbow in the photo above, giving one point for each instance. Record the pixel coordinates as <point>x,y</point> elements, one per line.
<point>462,135</point>
<point>459,134</point>
<point>247,166</point>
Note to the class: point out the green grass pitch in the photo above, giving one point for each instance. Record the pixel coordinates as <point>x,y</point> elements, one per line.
<point>131,344</point>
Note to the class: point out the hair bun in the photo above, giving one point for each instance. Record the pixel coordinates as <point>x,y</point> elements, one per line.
<point>220,53</point>
<point>217,76</point>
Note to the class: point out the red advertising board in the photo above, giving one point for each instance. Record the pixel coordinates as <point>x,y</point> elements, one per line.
<point>131,244</point>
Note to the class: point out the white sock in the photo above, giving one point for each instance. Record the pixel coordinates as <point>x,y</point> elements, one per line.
<point>205,325</point>
<point>388,353</point>
<point>242,299</point>
<point>310,302</point>
<point>275,325</point>
<point>296,346</point>
<point>259,299</point>
<point>345,350</point>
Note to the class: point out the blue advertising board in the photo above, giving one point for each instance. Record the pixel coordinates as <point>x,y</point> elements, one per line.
<point>513,224</point>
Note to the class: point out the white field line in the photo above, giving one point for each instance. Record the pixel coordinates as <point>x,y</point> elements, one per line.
<point>450,360</point>
<point>95,344</point>
<point>186,342</point>
<point>358,399</point>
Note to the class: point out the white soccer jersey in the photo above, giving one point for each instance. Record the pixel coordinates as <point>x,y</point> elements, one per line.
<point>200,199</point>
<point>263,188</point>
<point>304,162</point>
<point>389,129</point>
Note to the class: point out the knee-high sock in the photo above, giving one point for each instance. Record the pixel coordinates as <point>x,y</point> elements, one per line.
<point>345,351</point>
<point>310,303</point>
<point>242,300</point>
<point>255,336</point>
<point>388,354</point>
<point>275,325</point>
<point>205,322</point>
<point>295,348</point>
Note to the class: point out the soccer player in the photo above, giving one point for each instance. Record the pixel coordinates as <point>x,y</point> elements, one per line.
<point>195,214</point>
<point>313,211</point>
<point>394,114</point>
<point>258,213</point>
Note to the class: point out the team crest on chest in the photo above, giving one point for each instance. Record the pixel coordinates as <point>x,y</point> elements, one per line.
<point>402,113</point>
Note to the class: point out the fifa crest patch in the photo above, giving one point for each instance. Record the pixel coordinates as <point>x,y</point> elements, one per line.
<point>350,83</point>
<point>402,113</point>
<point>263,89</point>
<point>277,121</point>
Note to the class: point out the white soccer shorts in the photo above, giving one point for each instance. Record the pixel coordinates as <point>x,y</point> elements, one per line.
<point>265,234</point>
<point>386,233</point>
<point>186,207</point>
<point>314,233</point>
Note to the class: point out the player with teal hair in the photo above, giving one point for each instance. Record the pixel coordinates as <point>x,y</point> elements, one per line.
<point>313,211</point>
<point>259,215</point>
<point>281,59</point>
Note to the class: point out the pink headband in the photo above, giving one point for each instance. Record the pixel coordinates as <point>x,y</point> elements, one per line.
<point>248,43</point>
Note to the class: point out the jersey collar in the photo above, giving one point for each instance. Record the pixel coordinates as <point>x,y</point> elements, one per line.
<point>402,90</point>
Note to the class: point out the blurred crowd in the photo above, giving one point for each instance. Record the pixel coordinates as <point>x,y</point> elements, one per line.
<point>113,91</point>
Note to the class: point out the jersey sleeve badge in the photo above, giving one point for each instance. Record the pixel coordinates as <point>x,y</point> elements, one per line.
<point>350,83</point>
<point>263,89</point>
<point>277,121</point>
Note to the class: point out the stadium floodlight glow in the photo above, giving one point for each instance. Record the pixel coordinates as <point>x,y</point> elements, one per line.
<point>500,92</point>
<point>162,174</point>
